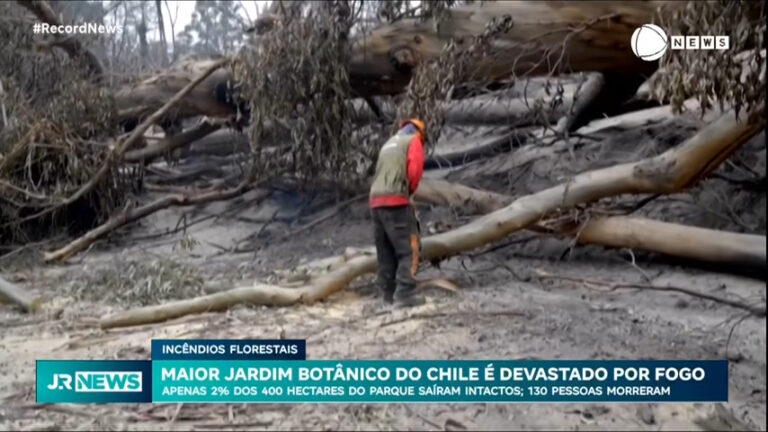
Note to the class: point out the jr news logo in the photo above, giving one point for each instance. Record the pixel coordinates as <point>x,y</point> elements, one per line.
<point>97,381</point>
<point>650,42</point>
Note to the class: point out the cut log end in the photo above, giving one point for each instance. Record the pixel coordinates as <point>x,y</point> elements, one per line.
<point>12,294</point>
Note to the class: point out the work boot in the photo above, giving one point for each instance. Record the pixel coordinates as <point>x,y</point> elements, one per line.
<point>409,297</point>
<point>387,291</point>
<point>388,296</point>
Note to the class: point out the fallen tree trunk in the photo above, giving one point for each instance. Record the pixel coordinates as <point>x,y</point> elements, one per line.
<point>529,153</point>
<point>147,154</point>
<point>547,36</point>
<point>10,293</point>
<point>666,238</point>
<point>673,170</point>
<point>224,142</point>
<point>584,104</point>
<point>635,119</point>
<point>673,239</point>
<point>494,146</point>
<point>443,193</point>
<point>537,108</point>
<point>137,101</point>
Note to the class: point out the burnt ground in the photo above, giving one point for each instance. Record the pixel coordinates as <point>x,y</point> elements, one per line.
<point>503,311</point>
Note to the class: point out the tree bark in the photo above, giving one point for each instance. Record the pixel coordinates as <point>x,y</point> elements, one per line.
<point>168,144</point>
<point>172,20</point>
<point>547,36</point>
<point>161,28</point>
<point>666,238</point>
<point>141,29</point>
<point>673,239</point>
<point>137,101</point>
<point>494,109</point>
<point>13,294</point>
<point>443,193</point>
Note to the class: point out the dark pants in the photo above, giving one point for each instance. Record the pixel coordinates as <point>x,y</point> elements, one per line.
<point>397,249</point>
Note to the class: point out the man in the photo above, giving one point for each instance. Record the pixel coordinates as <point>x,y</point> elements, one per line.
<point>396,231</point>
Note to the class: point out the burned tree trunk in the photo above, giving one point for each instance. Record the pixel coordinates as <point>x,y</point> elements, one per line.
<point>161,25</point>
<point>136,102</point>
<point>547,36</point>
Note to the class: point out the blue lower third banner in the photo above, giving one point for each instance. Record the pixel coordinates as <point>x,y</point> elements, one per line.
<point>382,381</point>
<point>372,381</point>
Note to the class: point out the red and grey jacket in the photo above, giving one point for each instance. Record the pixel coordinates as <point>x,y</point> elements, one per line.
<point>399,167</point>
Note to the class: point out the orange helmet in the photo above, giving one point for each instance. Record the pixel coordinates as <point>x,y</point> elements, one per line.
<point>416,122</point>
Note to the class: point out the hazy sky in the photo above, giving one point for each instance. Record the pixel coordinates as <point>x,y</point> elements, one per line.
<point>183,12</point>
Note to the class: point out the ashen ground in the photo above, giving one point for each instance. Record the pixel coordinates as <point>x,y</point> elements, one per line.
<point>502,312</point>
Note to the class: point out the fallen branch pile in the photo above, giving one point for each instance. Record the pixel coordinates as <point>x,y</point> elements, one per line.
<point>543,37</point>
<point>674,170</point>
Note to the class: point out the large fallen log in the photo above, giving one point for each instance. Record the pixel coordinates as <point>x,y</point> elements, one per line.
<point>701,244</point>
<point>136,102</point>
<point>547,36</point>
<point>168,144</point>
<point>671,171</point>
<point>596,128</point>
<point>10,293</point>
<point>673,239</point>
<point>443,193</point>
<point>542,106</point>
<point>491,147</point>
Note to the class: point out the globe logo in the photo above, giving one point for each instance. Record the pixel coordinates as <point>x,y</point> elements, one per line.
<point>649,42</point>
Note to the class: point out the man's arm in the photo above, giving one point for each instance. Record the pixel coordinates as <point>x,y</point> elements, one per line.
<point>415,164</point>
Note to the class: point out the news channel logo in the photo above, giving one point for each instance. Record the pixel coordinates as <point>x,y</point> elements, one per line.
<point>93,381</point>
<point>98,381</point>
<point>649,42</point>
